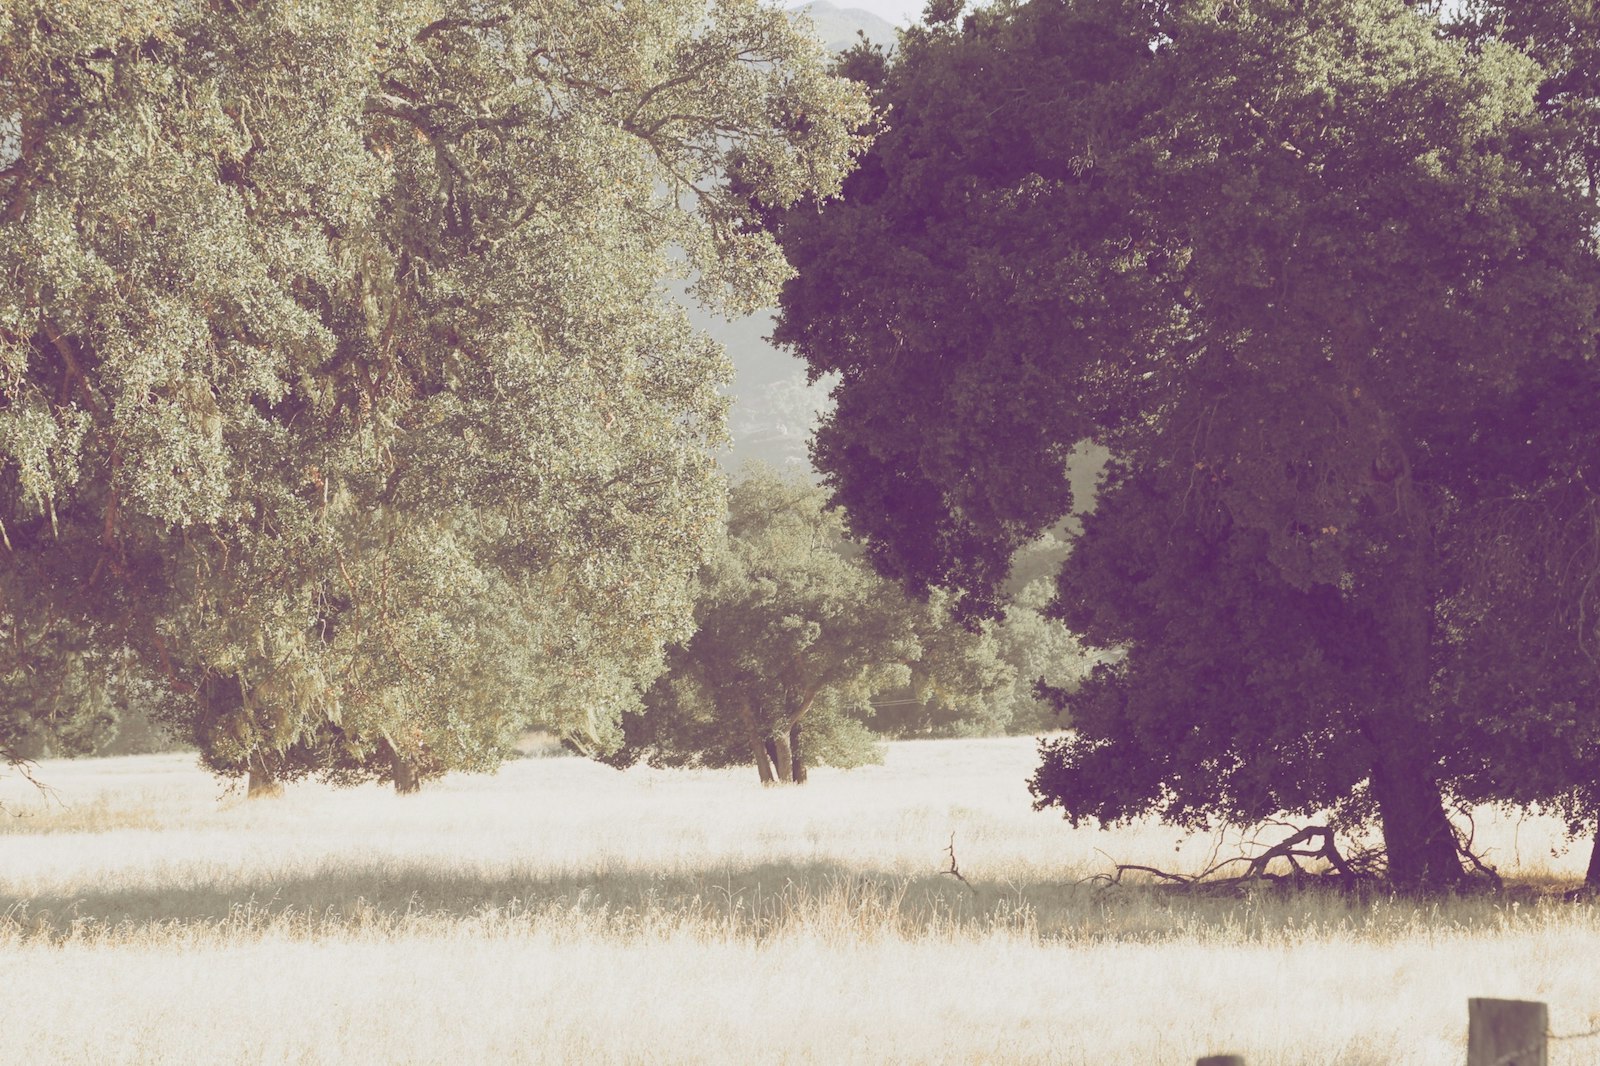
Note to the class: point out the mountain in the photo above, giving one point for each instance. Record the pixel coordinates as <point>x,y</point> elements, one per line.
<point>774,409</point>
<point>838,26</point>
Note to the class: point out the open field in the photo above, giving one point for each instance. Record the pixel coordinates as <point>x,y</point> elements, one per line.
<point>562,911</point>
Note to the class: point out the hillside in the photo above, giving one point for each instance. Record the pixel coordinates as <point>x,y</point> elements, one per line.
<point>773,407</point>
<point>838,26</point>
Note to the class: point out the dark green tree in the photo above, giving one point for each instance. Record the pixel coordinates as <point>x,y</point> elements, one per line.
<point>1524,624</point>
<point>1311,272</point>
<point>338,380</point>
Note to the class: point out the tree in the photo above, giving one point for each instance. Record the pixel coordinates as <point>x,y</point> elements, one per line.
<point>1523,626</point>
<point>961,684</point>
<point>794,638</point>
<point>1307,271</point>
<point>337,379</point>
<point>1047,657</point>
<point>988,682</point>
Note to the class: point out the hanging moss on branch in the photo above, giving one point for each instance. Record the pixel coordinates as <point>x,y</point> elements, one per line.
<point>337,376</point>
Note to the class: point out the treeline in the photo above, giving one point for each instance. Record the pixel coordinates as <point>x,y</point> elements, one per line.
<point>343,413</point>
<point>803,655</point>
<point>345,428</point>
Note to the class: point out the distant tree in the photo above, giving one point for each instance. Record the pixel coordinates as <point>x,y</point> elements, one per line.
<point>1009,660</point>
<point>1046,656</point>
<point>795,636</point>
<point>960,684</point>
<point>1313,274</point>
<point>337,379</point>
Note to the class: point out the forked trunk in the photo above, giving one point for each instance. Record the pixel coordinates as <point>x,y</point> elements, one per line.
<point>758,750</point>
<point>782,759</point>
<point>797,759</point>
<point>404,771</point>
<point>763,762</point>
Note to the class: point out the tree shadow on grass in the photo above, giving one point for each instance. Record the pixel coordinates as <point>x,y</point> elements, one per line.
<point>755,900</point>
<point>751,901</point>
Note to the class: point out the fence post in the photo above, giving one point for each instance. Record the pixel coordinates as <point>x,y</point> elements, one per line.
<point>1507,1032</point>
<point>1221,1060</point>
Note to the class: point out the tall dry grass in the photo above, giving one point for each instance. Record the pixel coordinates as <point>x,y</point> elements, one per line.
<point>561,911</point>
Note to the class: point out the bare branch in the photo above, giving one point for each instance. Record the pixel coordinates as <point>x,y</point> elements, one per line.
<point>955,870</point>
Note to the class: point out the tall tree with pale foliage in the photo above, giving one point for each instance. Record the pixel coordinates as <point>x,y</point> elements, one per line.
<point>337,377</point>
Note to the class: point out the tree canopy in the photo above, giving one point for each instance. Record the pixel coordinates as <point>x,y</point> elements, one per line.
<point>338,382</point>
<point>1322,279</point>
<point>794,638</point>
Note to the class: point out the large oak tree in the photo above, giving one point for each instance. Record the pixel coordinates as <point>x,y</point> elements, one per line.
<point>1317,274</point>
<point>338,379</point>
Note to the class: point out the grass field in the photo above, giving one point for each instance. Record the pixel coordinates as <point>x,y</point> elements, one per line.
<point>561,911</point>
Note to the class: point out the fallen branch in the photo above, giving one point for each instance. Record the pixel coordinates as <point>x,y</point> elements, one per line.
<point>1464,840</point>
<point>955,870</point>
<point>1345,871</point>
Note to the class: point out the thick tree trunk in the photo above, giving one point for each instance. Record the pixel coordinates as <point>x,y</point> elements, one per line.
<point>758,750</point>
<point>782,758</point>
<point>1418,840</point>
<point>1417,835</point>
<point>1591,879</point>
<point>261,784</point>
<point>406,781</point>
<point>799,761</point>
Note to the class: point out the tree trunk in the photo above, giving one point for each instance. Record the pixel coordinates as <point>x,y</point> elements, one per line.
<point>782,758</point>
<point>1418,840</point>
<point>758,750</point>
<point>1417,836</point>
<point>799,761</point>
<point>261,784</point>
<point>1591,879</point>
<point>406,781</point>
<point>763,761</point>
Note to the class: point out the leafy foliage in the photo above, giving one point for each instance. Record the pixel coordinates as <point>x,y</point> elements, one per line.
<point>795,637</point>
<point>1321,279</point>
<point>337,379</point>
<point>1523,625</point>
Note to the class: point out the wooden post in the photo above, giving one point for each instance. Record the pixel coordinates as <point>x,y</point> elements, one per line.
<point>1507,1032</point>
<point>1220,1060</point>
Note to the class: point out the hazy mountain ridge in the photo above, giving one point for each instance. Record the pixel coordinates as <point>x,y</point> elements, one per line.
<point>774,410</point>
<point>838,26</point>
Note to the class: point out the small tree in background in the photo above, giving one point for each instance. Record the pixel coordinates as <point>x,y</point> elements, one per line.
<point>795,636</point>
<point>986,682</point>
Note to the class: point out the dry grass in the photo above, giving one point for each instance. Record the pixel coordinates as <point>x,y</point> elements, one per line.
<point>561,911</point>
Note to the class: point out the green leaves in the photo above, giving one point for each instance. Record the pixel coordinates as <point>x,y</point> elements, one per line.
<point>1292,265</point>
<point>338,372</point>
<point>795,637</point>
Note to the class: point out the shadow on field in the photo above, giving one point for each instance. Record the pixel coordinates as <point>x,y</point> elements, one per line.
<point>744,901</point>
<point>752,902</point>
